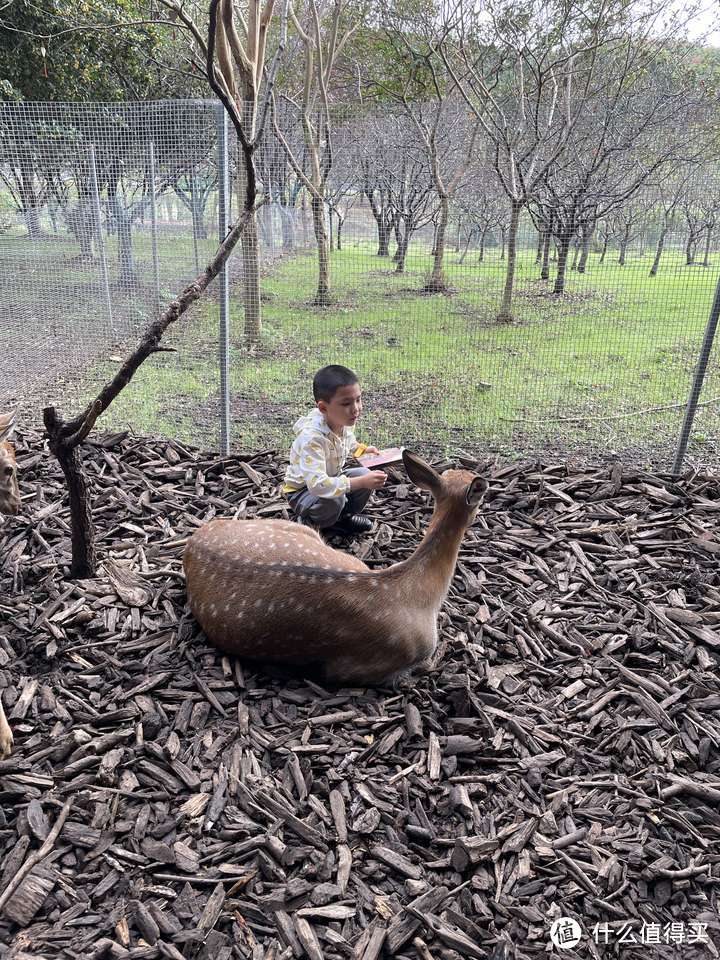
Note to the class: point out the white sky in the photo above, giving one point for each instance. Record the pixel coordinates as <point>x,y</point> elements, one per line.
<point>706,24</point>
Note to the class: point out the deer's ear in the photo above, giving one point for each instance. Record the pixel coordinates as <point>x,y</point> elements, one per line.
<point>421,473</point>
<point>476,491</point>
<point>7,424</point>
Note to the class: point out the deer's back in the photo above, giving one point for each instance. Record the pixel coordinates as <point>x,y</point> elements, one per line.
<point>271,589</point>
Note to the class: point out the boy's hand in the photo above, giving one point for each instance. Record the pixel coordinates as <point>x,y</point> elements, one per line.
<point>369,481</point>
<point>373,451</point>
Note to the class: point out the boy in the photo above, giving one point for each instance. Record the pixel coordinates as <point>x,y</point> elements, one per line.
<point>320,491</point>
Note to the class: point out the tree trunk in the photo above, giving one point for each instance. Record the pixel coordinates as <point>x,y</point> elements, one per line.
<point>604,249</point>
<point>483,237</point>
<point>383,240</point>
<point>250,253</point>
<point>436,283</point>
<point>502,243</point>
<point>251,280</point>
<point>623,246</point>
<point>32,222</point>
<point>468,238</point>
<point>398,239</point>
<point>403,241</point>
<point>505,315</point>
<point>82,530</point>
<point>658,252</point>
<point>587,235</point>
<point>126,261</point>
<point>542,232</point>
<point>563,251</point>
<point>80,221</point>
<point>576,253</point>
<point>197,209</point>
<point>287,221</point>
<point>53,214</point>
<point>545,269</point>
<point>268,225</point>
<point>457,235</point>
<point>383,226</point>
<point>340,223</point>
<point>708,239</point>
<point>322,296</point>
<point>30,203</point>
<point>690,250</point>
<point>85,235</point>
<point>304,218</point>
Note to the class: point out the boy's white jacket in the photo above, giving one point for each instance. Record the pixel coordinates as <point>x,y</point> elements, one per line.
<point>317,456</point>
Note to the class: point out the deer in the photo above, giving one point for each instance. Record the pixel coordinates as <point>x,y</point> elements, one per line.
<point>9,504</point>
<point>275,591</point>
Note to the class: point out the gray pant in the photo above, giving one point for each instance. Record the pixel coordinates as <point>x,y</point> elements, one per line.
<point>325,511</point>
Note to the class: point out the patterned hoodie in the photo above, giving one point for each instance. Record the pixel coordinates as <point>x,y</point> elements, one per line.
<point>317,457</point>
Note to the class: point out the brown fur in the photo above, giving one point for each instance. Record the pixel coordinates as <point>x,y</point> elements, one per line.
<point>9,491</point>
<point>274,590</point>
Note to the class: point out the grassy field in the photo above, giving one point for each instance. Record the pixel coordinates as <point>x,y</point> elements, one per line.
<point>570,375</point>
<point>440,370</point>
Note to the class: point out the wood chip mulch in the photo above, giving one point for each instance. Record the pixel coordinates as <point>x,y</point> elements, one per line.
<point>561,758</point>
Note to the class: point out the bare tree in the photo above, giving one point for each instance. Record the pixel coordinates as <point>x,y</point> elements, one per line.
<point>374,146</point>
<point>628,222</point>
<point>619,144</point>
<point>667,200</point>
<point>557,90</point>
<point>481,207</point>
<point>428,93</point>
<point>515,73</point>
<point>342,190</point>
<point>323,33</point>
<point>240,43</point>
<point>65,437</point>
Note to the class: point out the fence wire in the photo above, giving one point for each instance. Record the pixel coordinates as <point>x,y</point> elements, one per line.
<point>471,330</point>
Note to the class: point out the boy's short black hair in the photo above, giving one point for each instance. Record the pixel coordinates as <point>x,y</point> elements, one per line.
<point>330,379</point>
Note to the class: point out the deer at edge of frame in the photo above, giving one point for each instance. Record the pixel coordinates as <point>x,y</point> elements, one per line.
<point>274,590</point>
<point>9,504</point>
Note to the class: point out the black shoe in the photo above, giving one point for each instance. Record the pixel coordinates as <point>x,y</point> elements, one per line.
<point>304,522</point>
<point>350,525</point>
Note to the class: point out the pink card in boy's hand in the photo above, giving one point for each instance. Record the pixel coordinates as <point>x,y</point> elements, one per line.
<point>386,458</point>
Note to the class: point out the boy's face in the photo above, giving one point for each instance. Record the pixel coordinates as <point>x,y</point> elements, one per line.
<point>344,408</point>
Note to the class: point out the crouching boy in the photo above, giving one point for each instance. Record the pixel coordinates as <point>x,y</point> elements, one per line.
<point>320,490</point>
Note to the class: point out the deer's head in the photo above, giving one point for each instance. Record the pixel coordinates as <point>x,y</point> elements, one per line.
<point>457,492</point>
<point>9,491</point>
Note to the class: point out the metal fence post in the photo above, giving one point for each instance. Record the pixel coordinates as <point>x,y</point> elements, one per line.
<point>97,217</point>
<point>698,381</point>
<point>193,211</point>
<point>153,224</point>
<point>223,279</point>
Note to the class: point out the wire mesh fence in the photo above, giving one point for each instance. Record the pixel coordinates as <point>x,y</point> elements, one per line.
<point>474,324</point>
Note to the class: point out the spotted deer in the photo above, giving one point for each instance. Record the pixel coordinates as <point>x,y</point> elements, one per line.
<point>273,590</point>
<point>9,504</point>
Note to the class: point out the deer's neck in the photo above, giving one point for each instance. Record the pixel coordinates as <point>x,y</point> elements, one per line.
<point>429,571</point>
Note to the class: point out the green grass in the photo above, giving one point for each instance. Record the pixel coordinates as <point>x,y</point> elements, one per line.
<point>618,342</point>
